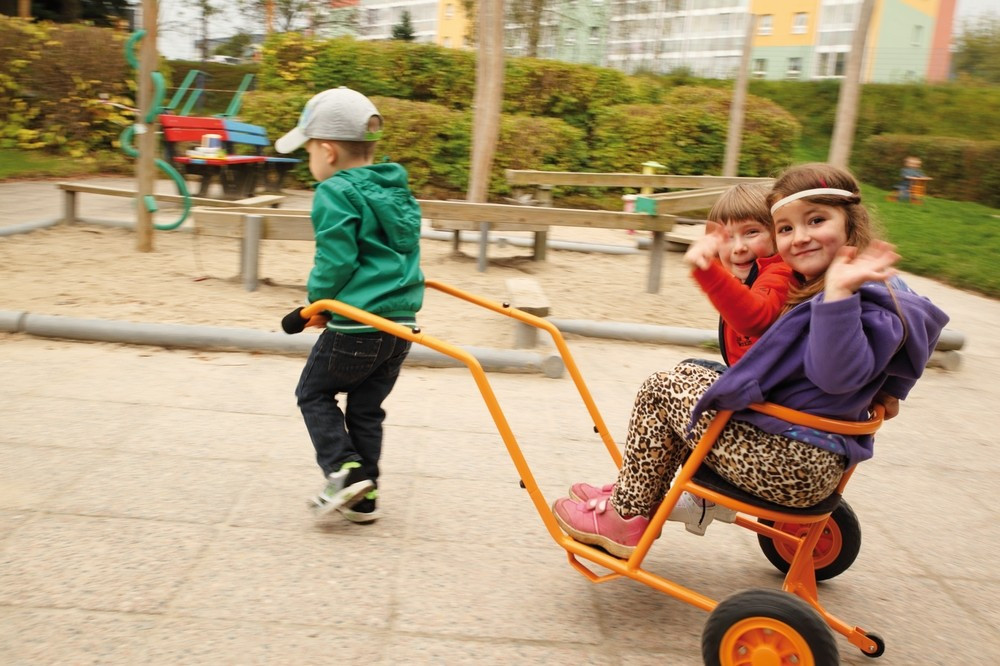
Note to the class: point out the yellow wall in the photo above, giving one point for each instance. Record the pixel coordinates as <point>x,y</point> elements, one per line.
<point>783,14</point>
<point>929,7</point>
<point>451,31</point>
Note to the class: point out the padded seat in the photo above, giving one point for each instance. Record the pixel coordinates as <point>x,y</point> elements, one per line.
<point>707,477</point>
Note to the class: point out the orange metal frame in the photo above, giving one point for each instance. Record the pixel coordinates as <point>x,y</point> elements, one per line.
<point>799,580</point>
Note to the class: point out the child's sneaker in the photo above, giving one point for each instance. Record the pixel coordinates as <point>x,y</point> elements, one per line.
<point>596,522</point>
<point>365,511</point>
<point>583,492</point>
<point>724,514</point>
<point>694,512</point>
<point>344,488</point>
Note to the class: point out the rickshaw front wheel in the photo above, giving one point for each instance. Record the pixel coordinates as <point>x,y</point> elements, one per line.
<point>767,628</point>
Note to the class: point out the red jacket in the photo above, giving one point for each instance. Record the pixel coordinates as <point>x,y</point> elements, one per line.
<point>746,312</point>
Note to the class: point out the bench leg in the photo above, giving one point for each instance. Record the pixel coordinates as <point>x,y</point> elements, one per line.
<point>541,243</point>
<point>250,251</point>
<point>655,263</point>
<point>69,207</point>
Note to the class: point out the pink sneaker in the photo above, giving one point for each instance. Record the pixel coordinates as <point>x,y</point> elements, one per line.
<point>583,492</point>
<point>595,522</point>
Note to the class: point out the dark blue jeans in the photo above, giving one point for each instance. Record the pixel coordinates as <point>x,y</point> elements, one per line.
<point>364,367</point>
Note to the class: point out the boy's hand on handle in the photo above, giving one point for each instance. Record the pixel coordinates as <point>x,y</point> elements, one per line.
<point>850,269</point>
<point>293,322</point>
<point>703,250</point>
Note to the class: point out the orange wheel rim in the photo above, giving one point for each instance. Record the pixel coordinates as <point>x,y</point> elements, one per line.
<point>827,548</point>
<point>764,641</point>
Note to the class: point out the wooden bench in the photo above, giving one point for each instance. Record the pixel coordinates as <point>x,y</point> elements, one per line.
<point>252,225</point>
<point>526,294</point>
<point>70,191</point>
<point>238,174</point>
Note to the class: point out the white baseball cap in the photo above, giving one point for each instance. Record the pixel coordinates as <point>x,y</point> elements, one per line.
<point>338,114</point>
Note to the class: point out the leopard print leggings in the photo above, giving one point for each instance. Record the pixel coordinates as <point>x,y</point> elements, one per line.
<point>775,468</point>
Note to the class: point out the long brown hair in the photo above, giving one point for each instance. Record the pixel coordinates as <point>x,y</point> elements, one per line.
<point>859,223</point>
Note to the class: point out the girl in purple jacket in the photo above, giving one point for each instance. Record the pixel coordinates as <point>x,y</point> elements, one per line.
<point>851,335</point>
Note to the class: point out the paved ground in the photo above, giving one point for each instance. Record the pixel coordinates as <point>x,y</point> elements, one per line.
<point>152,512</point>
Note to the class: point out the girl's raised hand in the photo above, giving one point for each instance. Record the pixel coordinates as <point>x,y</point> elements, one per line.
<point>703,250</point>
<point>850,269</point>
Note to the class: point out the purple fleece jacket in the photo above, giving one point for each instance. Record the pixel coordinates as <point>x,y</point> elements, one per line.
<point>831,359</point>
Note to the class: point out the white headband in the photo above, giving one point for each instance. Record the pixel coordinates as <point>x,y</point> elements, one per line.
<point>808,193</point>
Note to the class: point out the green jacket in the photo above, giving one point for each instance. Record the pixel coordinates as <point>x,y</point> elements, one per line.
<point>367,229</point>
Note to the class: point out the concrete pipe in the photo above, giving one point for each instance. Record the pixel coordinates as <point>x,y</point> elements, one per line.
<point>652,333</point>
<point>238,339</point>
<point>27,226</point>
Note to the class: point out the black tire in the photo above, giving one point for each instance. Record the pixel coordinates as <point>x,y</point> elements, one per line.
<point>763,620</point>
<point>835,553</point>
<point>879,641</point>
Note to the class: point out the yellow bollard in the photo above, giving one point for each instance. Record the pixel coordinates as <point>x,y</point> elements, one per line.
<point>648,169</point>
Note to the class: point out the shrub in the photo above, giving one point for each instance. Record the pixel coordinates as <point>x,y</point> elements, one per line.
<point>434,143</point>
<point>51,80</point>
<point>962,169</point>
<point>687,134</point>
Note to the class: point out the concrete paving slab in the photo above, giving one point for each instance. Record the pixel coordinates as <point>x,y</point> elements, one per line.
<point>331,578</point>
<point>67,561</point>
<point>72,636</point>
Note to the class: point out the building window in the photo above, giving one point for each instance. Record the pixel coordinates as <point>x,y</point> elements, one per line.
<point>764,24</point>
<point>794,67</point>
<point>760,67</point>
<point>595,34</point>
<point>449,10</point>
<point>918,35</point>
<point>570,37</point>
<point>840,64</point>
<point>800,23</point>
<point>446,42</point>
<point>823,65</point>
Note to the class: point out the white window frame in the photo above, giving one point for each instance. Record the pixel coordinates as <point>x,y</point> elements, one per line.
<point>765,24</point>
<point>800,23</point>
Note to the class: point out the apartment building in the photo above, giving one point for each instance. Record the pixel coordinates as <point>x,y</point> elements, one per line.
<point>908,40</point>
<point>794,39</point>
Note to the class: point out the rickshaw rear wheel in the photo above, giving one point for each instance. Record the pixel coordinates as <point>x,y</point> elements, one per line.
<point>835,551</point>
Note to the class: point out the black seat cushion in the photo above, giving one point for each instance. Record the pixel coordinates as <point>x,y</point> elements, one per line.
<point>708,478</point>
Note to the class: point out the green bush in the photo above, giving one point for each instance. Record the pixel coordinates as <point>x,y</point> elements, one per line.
<point>969,112</point>
<point>52,77</point>
<point>687,134</point>
<point>962,169</point>
<point>434,143</point>
<point>442,76</point>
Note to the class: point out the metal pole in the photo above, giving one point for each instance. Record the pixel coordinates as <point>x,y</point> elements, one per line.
<point>146,131</point>
<point>847,102</point>
<point>734,137</point>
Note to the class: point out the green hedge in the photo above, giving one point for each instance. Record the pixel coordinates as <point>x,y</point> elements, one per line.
<point>962,169</point>
<point>969,112</point>
<point>52,77</point>
<point>434,142</point>
<point>687,134</point>
<point>447,77</point>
